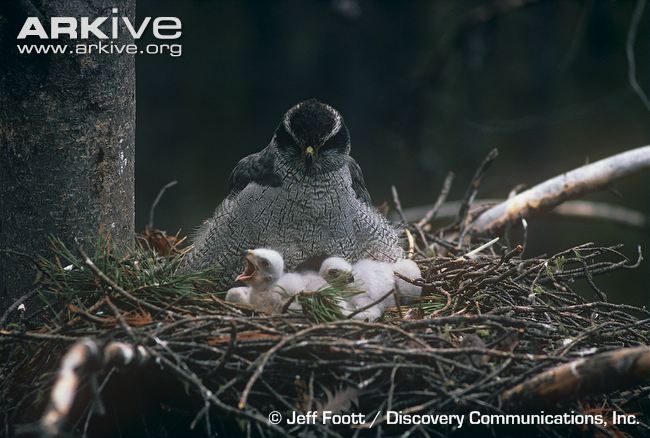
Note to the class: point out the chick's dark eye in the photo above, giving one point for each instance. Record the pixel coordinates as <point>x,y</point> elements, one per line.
<point>264,263</point>
<point>333,272</point>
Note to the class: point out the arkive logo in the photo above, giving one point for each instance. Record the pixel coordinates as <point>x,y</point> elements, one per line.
<point>99,35</point>
<point>103,28</point>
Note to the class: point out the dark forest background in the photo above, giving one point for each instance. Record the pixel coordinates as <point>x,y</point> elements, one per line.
<point>425,87</point>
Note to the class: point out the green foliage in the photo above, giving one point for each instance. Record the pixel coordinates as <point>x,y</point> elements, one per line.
<point>65,278</point>
<point>431,304</point>
<point>556,265</point>
<point>323,305</point>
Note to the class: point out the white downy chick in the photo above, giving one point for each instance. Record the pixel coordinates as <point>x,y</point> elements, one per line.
<point>336,271</point>
<point>409,269</point>
<point>239,295</point>
<point>374,278</point>
<point>295,282</point>
<point>263,269</point>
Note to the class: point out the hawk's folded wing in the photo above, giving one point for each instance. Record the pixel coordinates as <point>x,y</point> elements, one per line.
<point>358,185</point>
<point>256,168</point>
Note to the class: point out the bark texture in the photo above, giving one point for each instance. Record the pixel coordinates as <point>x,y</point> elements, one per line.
<point>67,133</point>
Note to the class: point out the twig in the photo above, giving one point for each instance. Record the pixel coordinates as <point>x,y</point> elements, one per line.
<point>472,190</point>
<point>264,360</point>
<point>120,318</point>
<point>554,191</point>
<point>477,250</point>
<point>374,303</point>
<point>442,197</point>
<point>15,305</point>
<point>578,36</point>
<point>117,288</point>
<point>398,304</point>
<point>157,200</point>
<point>629,50</point>
<point>398,204</point>
<point>446,306</point>
<point>411,241</point>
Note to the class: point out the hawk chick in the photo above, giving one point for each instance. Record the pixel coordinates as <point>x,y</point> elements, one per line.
<point>263,268</point>
<point>303,195</point>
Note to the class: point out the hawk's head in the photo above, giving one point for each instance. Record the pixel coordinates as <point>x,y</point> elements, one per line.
<point>314,134</point>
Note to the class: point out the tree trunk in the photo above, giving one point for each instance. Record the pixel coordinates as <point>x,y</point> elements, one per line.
<point>67,133</point>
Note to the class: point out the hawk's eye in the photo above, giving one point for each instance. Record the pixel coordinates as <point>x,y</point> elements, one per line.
<point>333,272</point>
<point>264,263</point>
<point>283,139</point>
<point>337,141</point>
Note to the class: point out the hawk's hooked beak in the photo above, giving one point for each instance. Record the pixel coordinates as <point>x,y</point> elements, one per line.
<point>310,155</point>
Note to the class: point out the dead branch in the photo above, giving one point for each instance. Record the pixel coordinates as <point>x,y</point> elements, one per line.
<point>629,51</point>
<point>570,185</point>
<point>572,209</point>
<point>17,305</point>
<point>602,373</point>
<point>472,190</point>
<point>398,203</point>
<point>85,356</point>
<point>599,210</point>
<point>433,211</point>
<point>152,210</point>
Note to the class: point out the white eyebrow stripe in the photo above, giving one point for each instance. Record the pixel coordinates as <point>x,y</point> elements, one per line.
<point>337,124</point>
<point>287,119</point>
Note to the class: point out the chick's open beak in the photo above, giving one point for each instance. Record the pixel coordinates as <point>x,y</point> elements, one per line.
<point>249,269</point>
<point>310,155</point>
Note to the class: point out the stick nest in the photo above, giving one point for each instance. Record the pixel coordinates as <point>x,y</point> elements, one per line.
<point>198,365</point>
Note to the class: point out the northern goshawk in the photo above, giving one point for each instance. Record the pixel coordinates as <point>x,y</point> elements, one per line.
<point>302,195</point>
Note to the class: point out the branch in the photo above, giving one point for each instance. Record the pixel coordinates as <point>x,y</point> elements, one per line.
<point>374,303</point>
<point>114,286</point>
<point>16,305</point>
<point>472,190</point>
<point>162,191</point>
<point>629,51</point>
<point>553,192</point>
<point>577,209</point>
<point>442,197</point>
<point>398,204</point>
<point>599,210</point>
<point>602,373</point>
<point>83,357</point>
